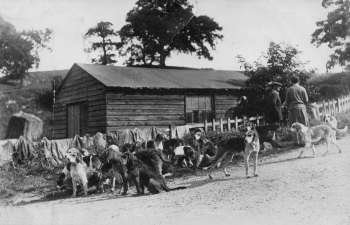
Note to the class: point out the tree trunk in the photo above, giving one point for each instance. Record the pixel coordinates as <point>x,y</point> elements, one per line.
<point>104,59</point>
<point>162,60</point>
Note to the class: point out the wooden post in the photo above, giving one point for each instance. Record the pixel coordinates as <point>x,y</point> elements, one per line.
<point>206,126</point>
<point>338,105</point>
<point>323,108</point>
<point>221,125</point>
<point>228,124</point>
<point>236,123</point>
<point>170,133</point>
<point>213,124</point>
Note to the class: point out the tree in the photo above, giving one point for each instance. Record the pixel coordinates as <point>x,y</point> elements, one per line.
<point>19,51</point>
<point>335,31</point>
<point>280,64</point>
<point>156,28</point>
<point>105,40</point>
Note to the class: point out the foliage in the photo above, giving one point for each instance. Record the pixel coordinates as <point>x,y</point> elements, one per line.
<point>19,51</point>
<point>104,43</point>
<point>156,28</point>
<point>332,85</point>
<point>280,64</point>
<point>335,31</point>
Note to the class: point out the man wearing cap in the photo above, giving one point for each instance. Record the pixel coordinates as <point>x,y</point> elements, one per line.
<point>273,110</point>
<point>296,101</point>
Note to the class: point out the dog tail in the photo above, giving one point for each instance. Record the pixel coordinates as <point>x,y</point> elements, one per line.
<point>341,131</point>
<point>177,188</point>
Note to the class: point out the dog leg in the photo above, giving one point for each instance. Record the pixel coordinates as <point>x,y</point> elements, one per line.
<point>233,155</point>
<point>336,145</point>
<point>327,148</point>
<point>298,142</point>
<point>313,150</point>
<point>246,162</point>
<point>256,164</point>
<point>113,184</point>
<point>74,183</point>
<point>227,174</point>
<point>301,153</point>
<point>209,175</point>
<point>85,187</point>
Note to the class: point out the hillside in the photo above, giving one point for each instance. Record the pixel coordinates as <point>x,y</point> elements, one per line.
<point>31,97</point>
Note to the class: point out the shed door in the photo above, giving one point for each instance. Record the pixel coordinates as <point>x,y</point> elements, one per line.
<point>77,119</point>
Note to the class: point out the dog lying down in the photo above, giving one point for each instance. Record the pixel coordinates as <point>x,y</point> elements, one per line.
<point>145,175</point>
<point>313,135</point>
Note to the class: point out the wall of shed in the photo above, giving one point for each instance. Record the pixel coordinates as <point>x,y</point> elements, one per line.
<point>79,87</point>
<point>127,110</point>
<point>223,103</point>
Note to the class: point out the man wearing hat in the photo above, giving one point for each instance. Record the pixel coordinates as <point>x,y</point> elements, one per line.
<point>273,112</point>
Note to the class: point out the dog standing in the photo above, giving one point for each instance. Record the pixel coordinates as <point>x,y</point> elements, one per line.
<point>333,123</point>
<point>247,144</point>
<point>315,134</point>
<point>252,146</point>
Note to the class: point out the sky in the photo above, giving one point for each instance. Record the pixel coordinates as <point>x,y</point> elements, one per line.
<point>248,28</point>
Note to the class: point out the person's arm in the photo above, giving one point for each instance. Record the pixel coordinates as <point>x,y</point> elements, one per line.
<point>287,100</point>
<point>306,97</point>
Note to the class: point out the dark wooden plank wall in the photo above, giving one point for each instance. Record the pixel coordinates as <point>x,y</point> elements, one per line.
<point>144,110</point>
<point>79,87</point>
<point>223,103</point>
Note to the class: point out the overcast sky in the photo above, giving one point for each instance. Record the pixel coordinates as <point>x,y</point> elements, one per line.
<point>248,27</point>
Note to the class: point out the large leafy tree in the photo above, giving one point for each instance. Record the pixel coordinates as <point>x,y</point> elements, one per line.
<point>104,42</point>
<point>156,28</point>
<point>335,31</point>
<point>19,51</point>
<point>280,63</point>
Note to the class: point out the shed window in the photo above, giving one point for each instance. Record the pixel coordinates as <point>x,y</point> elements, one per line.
<point>199,109</point>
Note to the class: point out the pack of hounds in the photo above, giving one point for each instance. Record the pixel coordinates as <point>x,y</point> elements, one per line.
<point>146,165</point>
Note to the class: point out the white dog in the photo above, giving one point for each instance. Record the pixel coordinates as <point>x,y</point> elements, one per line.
<point>312,135</point>
<point>77,170</point>
<point>333,123</point>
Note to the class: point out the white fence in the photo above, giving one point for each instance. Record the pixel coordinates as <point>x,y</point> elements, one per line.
<point>333,107</point>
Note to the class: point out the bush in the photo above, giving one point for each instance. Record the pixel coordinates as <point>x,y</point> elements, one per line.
<point>332,91</point>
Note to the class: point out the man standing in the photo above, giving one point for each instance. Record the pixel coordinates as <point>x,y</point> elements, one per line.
<point>274,105</point>
<point>296,101</point>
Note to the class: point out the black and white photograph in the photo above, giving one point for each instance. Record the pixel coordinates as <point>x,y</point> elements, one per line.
<point>174,112</point>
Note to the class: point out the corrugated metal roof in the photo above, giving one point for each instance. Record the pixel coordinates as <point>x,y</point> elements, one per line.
<point>138,77</point>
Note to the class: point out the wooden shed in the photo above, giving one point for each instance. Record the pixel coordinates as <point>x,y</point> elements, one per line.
<point>100,98</point>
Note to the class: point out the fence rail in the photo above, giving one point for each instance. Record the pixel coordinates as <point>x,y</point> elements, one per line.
<point>339,105</point>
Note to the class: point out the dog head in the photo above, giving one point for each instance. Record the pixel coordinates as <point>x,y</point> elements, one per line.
<point>160,138</point>
<point>251,136</point>
<point>73,155</point>
<point>298,127</point>
<point>209,147</point>
<point>327,118</point>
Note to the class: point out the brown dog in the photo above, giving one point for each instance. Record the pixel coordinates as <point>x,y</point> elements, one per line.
<point>144,175</point>
<point>247,144</point>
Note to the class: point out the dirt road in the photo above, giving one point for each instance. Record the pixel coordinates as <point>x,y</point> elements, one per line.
<point>287,191</point>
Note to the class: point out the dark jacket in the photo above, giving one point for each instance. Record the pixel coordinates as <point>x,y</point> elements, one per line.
<point>273,111</point>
